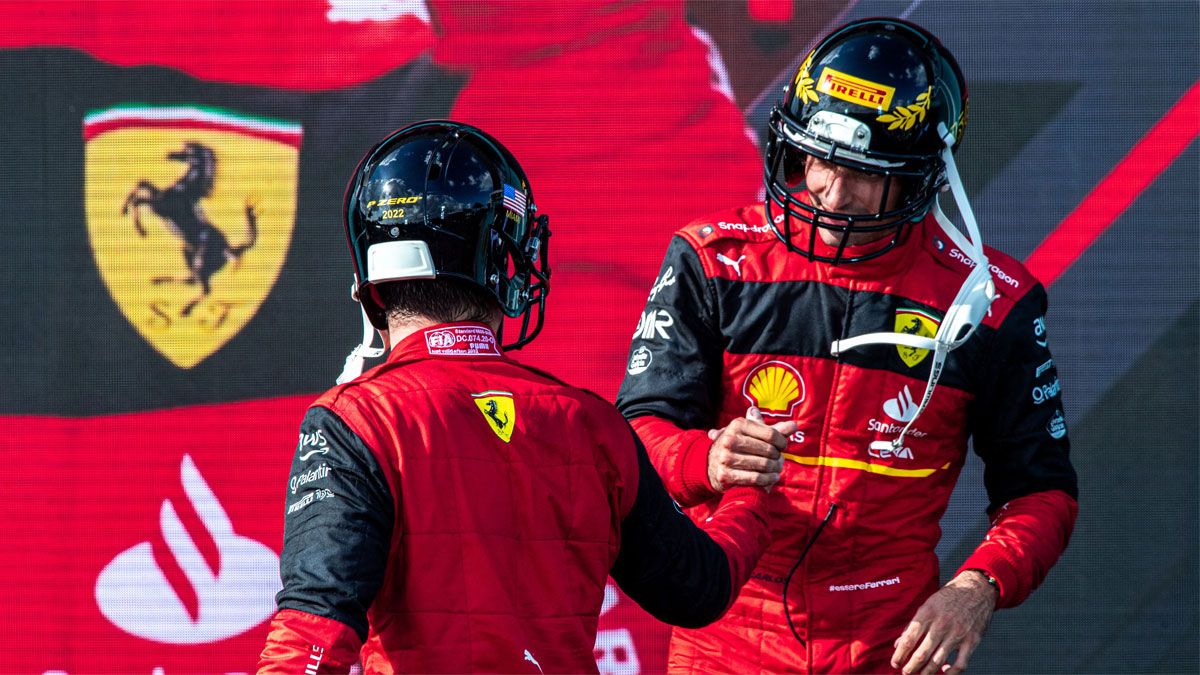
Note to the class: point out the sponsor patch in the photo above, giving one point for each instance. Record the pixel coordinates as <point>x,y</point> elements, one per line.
<point>667,278</point>
<point>1039,331</point>
<point>903,407</point>
<point>311,444</point>
<point>891,429</point>
<point>308,499</point>
<point>915,322</point>
<point>855,89</point>
<point>1057,426</point>
<point>774,388</point>
<point>1044,367</point>
<point>996,271</point>
<point>744,227</point>
<point>640,360</point>
<point>311,476</point>
<point>653,324</point>
<point>865,585</point>
<point>461,341</point>
<point>1045,392</point>
<point>736,265</point>
<point>889,452</point>
<point>498,411</point>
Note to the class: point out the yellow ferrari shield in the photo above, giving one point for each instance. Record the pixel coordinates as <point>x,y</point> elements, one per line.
<point>498,411</point>
<point>190,213</point>
<point>915,322</point>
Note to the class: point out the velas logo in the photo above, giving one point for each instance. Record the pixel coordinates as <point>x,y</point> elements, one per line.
<point>499,412</point>
<point>774,388</point>
<point>915,322</point>
<point>855,89</point>
<point>190,213</point>
<point>225,597</point>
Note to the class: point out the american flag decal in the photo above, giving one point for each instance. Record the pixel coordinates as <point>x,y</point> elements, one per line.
<point>514,199</point>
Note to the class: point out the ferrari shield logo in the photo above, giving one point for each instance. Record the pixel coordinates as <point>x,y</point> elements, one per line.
<point>915,322</point>
<point>498,411</point>
<point>190,213</point>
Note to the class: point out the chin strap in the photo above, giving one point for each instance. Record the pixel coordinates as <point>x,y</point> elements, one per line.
<point>354,361</point>
<point>966,312</point>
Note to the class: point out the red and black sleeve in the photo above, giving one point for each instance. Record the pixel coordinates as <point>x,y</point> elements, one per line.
<point>681,574</point>
<point>1019,430</point>
<point>671,391</point>
<point>338,527</point>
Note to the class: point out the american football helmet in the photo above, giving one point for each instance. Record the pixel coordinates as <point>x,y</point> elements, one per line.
<point>444,200</point>
<point>870,97</point>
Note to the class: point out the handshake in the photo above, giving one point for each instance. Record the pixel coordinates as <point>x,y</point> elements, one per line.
<point>748,452</point>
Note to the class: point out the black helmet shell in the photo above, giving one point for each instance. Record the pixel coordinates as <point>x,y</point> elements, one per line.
<point>870,96</point>
<point>460,193</point>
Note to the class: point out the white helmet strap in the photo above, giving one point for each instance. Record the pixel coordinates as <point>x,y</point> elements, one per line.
<point>354,361</point>
<point>967,310</point>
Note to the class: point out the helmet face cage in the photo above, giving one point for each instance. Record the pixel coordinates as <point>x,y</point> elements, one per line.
<point>869,97</point>
<point>464,196</point>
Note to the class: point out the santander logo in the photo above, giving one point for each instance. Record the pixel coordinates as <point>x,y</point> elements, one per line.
<point>232,594</point>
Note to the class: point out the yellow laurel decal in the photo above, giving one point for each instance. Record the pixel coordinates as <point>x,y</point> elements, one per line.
<point>804,82</point>
<point>905,116</point>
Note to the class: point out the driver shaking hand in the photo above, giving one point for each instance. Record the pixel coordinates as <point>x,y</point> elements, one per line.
<point>747,452</point>
<point>878,338</point>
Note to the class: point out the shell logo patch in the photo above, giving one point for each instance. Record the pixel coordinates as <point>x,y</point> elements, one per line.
<point>855,89</point>
<point>915,322</point>
<point>774,388</point>
<point>498,411</point>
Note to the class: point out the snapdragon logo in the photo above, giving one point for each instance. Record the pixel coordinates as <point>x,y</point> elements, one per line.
<point>743,227</point>
<point>996,271</point>
<point>226,597</point>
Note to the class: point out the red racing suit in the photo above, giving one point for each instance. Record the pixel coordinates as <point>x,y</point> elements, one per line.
<point>452,510</point>
<point>734,320</point>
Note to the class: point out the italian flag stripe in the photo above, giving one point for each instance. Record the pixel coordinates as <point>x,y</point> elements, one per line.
<point>189,117</point>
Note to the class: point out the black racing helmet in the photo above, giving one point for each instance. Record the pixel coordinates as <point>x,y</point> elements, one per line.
<point>441,199</point>
<point>870,97</point>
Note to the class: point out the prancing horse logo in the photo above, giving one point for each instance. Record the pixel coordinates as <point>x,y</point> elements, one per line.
<point>491,411</point>
<point>498,411</point>
<point>211,195</point>
<point>206,250</point>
